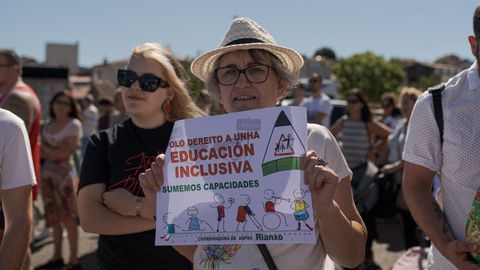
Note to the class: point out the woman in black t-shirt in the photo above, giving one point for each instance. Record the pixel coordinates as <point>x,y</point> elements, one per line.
<point>110,199</point>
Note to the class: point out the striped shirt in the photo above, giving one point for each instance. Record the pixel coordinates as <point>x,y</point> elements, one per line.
<point>354,142</point>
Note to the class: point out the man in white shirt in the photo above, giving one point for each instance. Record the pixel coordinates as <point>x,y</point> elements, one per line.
<point>16,179</point>
<point>318,105</point>
<point>457,161</point>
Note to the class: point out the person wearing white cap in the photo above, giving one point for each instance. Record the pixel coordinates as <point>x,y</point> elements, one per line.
<point>250,71</point>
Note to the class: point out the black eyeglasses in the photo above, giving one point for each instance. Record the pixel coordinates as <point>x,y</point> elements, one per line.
<point>257,73</point>
<point>148,82</point>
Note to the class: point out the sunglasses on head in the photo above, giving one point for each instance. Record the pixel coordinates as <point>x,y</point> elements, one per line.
<point>148,82</point>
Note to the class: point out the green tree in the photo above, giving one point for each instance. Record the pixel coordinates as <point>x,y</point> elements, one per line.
<point>326,52</point>
<point>193,84</point>
<point>369,72</point>
<point>426,81</point>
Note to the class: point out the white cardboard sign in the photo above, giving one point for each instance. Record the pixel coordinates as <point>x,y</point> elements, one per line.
<point>236,179</point>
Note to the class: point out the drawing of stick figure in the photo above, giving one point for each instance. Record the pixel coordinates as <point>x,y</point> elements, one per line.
<point>244,211</point>
<point>170,227</point>
<point>299,207</point>
<point>193,221</point>
<point>220,206</point>
<point>288,140</point>
<point>272,219</point>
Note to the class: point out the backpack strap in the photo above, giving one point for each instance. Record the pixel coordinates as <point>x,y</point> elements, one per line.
<point>436,92</point>
<point>267,257</point>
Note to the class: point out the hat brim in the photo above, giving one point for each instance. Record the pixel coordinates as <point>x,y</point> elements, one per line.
<point>203,65</point>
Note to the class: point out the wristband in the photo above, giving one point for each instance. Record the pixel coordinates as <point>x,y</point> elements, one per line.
<point>138,206</point>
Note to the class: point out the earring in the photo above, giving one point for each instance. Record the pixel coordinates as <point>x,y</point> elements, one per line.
<point>167,106</point>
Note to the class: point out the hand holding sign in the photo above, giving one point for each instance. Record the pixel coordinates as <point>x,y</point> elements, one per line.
<point>151,182</point>
<point>322,182</point>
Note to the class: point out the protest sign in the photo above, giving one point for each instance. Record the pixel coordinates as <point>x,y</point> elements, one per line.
<point>236,178</point>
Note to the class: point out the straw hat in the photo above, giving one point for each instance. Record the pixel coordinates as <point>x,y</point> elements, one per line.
<point>244,34</point>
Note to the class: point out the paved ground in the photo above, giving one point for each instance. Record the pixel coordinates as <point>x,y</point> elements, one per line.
<point>43,250</point>
<point>387,249</point>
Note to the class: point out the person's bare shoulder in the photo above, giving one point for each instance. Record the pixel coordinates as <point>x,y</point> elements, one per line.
<point>22,104</point>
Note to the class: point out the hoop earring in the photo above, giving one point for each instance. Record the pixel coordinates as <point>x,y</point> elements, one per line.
<point>167,106</point>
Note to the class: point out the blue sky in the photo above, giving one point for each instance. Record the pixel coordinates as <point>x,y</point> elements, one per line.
<point>421,29</point>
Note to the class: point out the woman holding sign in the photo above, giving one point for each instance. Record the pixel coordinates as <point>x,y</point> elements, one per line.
<point>110,199</point>
<point>249,71</point>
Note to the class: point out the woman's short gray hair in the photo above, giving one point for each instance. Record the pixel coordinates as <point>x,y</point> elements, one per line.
<point>258,55</point>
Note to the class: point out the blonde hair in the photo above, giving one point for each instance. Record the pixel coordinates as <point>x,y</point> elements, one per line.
<point>182,105</point>
<point>410,92</point>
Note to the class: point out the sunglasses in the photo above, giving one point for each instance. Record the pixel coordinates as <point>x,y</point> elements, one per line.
<point>148,82</point>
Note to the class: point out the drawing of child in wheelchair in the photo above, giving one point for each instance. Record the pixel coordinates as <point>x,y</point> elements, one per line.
<point>272,219</point>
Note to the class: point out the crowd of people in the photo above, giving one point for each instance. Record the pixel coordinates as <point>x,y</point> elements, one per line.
<point>409,144</point>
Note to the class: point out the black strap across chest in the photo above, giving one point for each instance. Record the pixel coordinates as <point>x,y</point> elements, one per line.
<point>436,92</point>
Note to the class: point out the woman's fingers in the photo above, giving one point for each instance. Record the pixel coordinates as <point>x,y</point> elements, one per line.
<point>305,161</point>
<point>310,162</point>
<point>146,185</point>
<point>152,179</point>
<point>319,178</point>
<point>160,160</point>
<point>317,172</point>
<point>316,178</point>
<point>157,173</point>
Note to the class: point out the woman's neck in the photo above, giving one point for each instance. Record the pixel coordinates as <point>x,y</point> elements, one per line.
<point>61,120</point>
<point>355,116</point>
<point>149,121</point>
